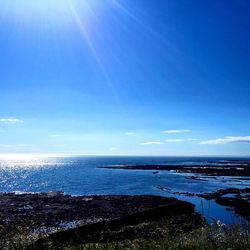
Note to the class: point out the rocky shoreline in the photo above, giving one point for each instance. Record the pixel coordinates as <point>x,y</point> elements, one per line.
<point>234,168</point>
<point>234,198</point>
<point>69,219</point>
<point>39,219</point>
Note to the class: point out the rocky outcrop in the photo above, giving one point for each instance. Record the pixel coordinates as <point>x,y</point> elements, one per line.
<point>63,218</point>
<point>218,169</point>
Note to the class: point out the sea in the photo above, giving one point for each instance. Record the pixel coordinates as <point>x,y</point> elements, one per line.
<point>82,176</point>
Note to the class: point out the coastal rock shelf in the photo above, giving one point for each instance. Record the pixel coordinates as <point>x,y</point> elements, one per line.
<point>235,168</point>
<point>237,199</point>
<point>227,174</point>
<point>90,216</point>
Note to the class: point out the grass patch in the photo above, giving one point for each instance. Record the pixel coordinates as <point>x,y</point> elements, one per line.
<point>216,236</point>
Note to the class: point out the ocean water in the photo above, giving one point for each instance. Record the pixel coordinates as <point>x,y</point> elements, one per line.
<point>81,176</point>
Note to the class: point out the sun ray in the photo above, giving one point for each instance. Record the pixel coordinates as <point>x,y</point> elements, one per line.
<point>141,23</point>
<point>89,42</point>
<point>174,53</point>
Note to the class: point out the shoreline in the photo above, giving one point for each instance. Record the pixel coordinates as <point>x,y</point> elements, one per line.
<point>235,198</point>
<point>234,168</point>
<point>58,217</point>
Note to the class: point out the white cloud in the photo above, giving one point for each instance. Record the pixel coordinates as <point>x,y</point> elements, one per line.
<point>113,149</point>
<point>130,133</point>
<point>176,131</point>
<point>175,140</point>
<point>14,145</point>
<point>56,135</point>
<point>60,145</point>
<point>11,120</point>
<point>181,140</point>
<point>228,139</point>
<point>152,143</point>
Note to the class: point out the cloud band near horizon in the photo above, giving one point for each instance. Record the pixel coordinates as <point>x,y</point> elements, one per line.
<point>176,131</point>
<point>226,140</point>
<point>11,121</point>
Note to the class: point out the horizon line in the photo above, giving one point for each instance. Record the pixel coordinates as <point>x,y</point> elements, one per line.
<point>54,155</point>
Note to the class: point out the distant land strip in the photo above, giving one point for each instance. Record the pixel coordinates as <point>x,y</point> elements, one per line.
<point>218,169</point>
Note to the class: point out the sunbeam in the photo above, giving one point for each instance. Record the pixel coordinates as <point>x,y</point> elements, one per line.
<point>174,53</point>
<point>141,23</point>
<point>108,76</point>
<point>89,42</point>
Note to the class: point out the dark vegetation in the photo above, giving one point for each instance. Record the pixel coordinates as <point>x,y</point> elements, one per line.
<point>235,168</point>
<point>36,219</point>
<point>217,236</point>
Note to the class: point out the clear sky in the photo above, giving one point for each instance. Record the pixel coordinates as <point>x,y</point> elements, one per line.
<point>134,77</point>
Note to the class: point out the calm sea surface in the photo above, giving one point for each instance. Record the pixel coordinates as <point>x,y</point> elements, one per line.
<point>80,176</point>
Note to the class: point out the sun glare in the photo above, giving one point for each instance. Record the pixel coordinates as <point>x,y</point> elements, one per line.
<point>41,5</point>
<point>45,10</point>
<point>26,156</point>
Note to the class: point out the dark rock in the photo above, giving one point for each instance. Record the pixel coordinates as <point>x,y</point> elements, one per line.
<point>236,199</point>
<point>219,169</point>
<point>50,212</point>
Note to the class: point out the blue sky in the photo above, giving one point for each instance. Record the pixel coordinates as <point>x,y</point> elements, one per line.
<point>133,77</point>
